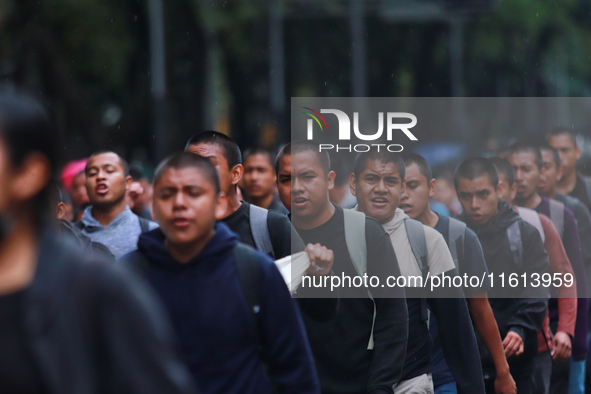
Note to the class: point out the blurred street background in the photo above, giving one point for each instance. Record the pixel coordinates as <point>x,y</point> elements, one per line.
<point>142,76</point>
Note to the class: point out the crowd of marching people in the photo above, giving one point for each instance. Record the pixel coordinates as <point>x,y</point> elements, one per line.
<point>112,283</point>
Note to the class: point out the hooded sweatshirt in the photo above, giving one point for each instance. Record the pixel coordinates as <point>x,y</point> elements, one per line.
<point>211,319</point>
<point>517,309</point>
<point>447,304</point>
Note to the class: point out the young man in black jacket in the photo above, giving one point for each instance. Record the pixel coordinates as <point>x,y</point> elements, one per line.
<point>520,310</point>
<point>347,359</point>
<point>420,186</point>
<point>274,236</point>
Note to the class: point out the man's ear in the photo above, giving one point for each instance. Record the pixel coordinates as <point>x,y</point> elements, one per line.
<point>353,184</point>
<point>330,179</point>
<point>513,191</point>
<point>31,177</point>
<point>403,186</point>
<point>578,152</point>
<point>221,206</point>
<point>61,210</point>
<point>501,188</point>
<point>128,182</point>
<point>432,186</point>
<point>237,171</point>
<point>559,174</point>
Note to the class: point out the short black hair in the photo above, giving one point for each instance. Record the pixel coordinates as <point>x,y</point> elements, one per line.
<point>476,167</point>
<point>122,161</point>
<point>189,160</point>
<point>303,146</point>
<point>505,168</point>
<point>554,152</point>
<point>561,130</point>
<point>229,147</point>
<point>414,158</point>
<point>284,151</point>
<point>260,151</point>
<point>524,147</point>
<point>384,157</point>
<point>136,173</point>
<point>26,128</point>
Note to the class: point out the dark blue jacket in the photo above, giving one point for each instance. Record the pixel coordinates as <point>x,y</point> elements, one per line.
<point>209,313</point>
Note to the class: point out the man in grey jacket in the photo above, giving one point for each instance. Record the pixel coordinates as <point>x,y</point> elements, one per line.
<point>109,220</point>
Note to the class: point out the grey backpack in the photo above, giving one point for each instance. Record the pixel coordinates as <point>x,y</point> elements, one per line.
<point>260,230</point>
<point>514,235</point>
<point>357,248</point>
<point>557,216</point>
<point>456,230</point>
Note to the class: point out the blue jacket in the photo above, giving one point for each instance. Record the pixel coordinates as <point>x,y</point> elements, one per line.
<point>210,315</point>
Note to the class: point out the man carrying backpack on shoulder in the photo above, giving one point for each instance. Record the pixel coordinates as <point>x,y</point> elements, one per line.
<point>237,327</point>
<point>510,246</point>
<point>361,349</point>
<point>527,162</point>
<point>267,231</point>
<point>378,182</point>
<point>467,254</point>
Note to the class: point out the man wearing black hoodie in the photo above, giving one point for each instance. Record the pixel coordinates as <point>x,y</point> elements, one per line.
<point>519,311</point>
<point>196,265</point>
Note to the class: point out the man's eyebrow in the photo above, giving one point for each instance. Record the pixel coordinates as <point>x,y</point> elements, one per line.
<point>193,185</point>
<point>308,172</point>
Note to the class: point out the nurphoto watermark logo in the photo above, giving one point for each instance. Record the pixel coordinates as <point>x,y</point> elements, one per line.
<point>393,125</point>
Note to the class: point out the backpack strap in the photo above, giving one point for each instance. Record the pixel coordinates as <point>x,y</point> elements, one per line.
<point>557,216</point>
<point>514,235</point>
<point>357,248</point>
<point>250,275</point>
<point>533,218</point>
<point>587,181</point>
<point>260,230</point>
<point>144,224</point>
<point>355,239</point>
<point>456,237</point>
<point>418,244</point>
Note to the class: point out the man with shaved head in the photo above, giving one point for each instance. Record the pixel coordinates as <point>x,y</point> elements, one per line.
<point>109,220</point>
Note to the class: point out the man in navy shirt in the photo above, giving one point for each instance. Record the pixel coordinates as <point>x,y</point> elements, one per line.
<point>193,264</point>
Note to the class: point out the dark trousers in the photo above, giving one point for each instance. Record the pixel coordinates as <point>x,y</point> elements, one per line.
<point>521,368</point>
